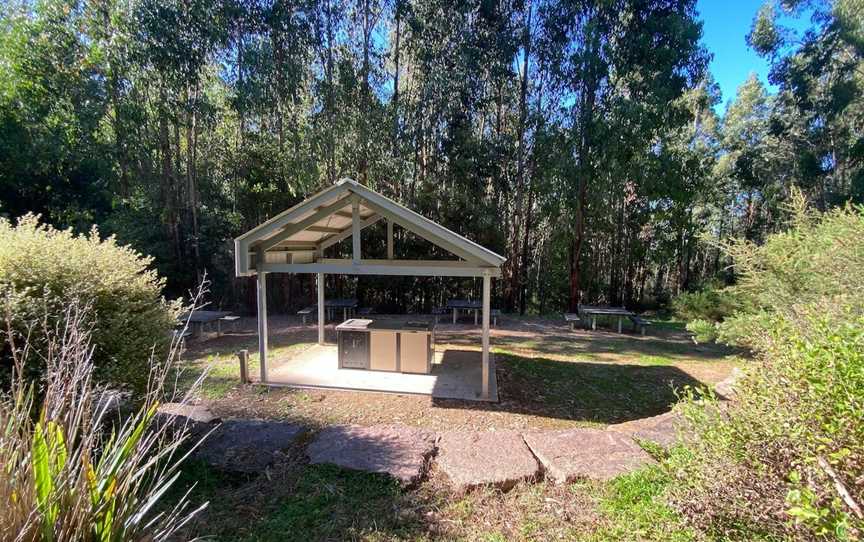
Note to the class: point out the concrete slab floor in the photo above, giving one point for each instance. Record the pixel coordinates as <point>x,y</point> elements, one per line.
<point>456,374</point>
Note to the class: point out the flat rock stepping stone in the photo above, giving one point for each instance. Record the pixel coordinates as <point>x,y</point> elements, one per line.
<point>248,445</point>
<point>197,420</point>
<point>400,451</point>
<point>663,429</point>
<point>194,413</point>
<point>585,453</point>
<point>492,458</point>
<point>725,389</point>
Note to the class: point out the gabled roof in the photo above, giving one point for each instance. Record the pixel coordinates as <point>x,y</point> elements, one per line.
<point>325,219</point>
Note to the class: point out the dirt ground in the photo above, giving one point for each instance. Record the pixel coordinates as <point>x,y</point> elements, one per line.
<point>548,376</point>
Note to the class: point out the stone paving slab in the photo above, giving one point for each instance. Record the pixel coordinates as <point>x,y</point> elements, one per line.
<point>194,413</point>
<point>663,429</point>
<point>196,420</point>
<point>585,453</point>
<point>248,445</point>
<point>400,451</point>
<point>497,458</point>
<point>726,387</point>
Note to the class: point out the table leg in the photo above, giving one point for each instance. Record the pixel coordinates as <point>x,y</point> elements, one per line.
<point>454,316</point>
<point>594,323</point>
<point>344,314</point>
<point>475,317</point>
<point>619,324</point>
<point>219,328</point>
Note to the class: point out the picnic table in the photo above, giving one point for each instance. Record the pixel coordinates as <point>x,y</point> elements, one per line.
<point>593,312</point>
<point>464,304</point>
<point>199,319</point>
<point>349,304</point>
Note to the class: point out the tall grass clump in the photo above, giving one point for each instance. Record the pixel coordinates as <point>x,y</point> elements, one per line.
<point>74,467</point>
<point>42,268</point>
<point>785,458</point>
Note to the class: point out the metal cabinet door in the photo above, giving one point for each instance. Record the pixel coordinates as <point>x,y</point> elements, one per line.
<point>354,350</point>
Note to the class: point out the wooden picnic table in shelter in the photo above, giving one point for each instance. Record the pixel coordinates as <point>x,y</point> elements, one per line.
<point>348,304</point>
<point>464,304</point>
<point>593,311</point>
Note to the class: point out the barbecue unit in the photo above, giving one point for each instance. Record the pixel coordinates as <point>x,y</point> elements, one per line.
<point>404,347</point>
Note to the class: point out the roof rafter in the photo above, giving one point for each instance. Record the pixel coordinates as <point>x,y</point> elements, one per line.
<point>291,229</point>
<point>310,216</point>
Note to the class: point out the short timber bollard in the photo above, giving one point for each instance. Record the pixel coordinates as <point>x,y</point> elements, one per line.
<point>244,364</point>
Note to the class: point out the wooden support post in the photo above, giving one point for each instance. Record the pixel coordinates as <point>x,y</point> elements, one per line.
<point>243,355</point>
<point>355,229</point>
<point>321,310</point>
<point>487,283</point>
<point>262,319</point>
<point>389,239</point>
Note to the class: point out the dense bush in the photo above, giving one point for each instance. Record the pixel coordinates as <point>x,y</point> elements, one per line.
<point>711,303</point>
<point>785,458</point>
<point>42,270</point>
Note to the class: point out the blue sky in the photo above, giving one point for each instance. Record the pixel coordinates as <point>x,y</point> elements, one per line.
<point>726,24</point>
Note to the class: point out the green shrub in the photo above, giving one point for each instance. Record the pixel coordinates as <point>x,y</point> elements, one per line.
<point>712,303</point>
<point>43,270</point>
<point>820,257</point>
<point>785,458</point>
<point>703,331</point>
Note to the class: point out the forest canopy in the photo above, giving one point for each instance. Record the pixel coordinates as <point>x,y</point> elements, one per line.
<point>580,139</point>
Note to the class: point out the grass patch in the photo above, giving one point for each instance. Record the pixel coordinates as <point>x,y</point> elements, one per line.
<point>656,360</point>
<point>633,509</point>
<point>329,503</point>
<point>223,369</point>
<point>591,392</point>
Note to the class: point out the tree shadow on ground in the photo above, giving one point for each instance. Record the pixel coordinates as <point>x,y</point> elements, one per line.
<point>601,345</point>
<point>601,393</point>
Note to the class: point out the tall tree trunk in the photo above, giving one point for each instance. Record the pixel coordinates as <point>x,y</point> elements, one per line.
<point>241,106</point>
<point>517,260</point>
<point>366,102</point>
<point>396,59</point>
<point>523,269</point>
<point>191,180</point>
<point>330,99</point>
<point>167,184</point>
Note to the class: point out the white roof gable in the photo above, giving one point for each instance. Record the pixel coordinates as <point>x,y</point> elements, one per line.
<point>325,218</point>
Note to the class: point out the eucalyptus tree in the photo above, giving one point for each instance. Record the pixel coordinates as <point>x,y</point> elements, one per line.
<point>819,109</point>
<point>623,65</point>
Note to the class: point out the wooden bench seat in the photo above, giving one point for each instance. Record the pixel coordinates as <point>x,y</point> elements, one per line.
<point>640,324</point>
<point>306,312</point>
<point>231,319</point>
<point>180,335</point>
<point>572,318</point>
